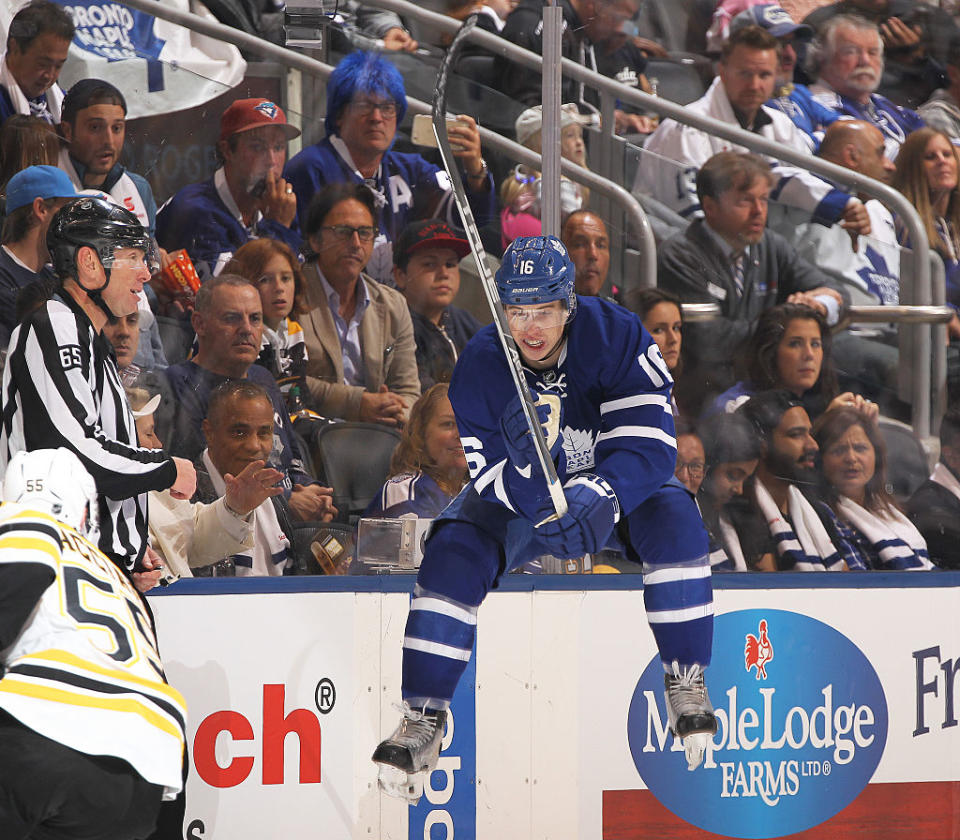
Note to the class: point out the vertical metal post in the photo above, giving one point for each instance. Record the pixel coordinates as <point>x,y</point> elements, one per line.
<point>939,345</point>
<point>607,159</point>
<point>922,379</point>
<point>293,105</point>
<point>550,127</point>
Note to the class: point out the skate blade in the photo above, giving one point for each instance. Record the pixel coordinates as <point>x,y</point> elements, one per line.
<point>399,783</point>
<point>694,746</point>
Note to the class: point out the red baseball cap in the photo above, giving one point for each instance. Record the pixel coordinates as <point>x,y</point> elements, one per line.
<point>246,114</point>
<point>430,233</point>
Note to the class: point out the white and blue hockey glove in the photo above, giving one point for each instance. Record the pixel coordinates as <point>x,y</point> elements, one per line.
<point>520,444</point>
<point>593,511</point>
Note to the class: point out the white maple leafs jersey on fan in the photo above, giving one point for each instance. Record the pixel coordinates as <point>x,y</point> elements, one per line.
<point>85,670</point>
<point>615,391</point>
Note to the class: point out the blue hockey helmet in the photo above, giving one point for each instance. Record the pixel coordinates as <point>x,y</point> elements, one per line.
<point>537,269</point>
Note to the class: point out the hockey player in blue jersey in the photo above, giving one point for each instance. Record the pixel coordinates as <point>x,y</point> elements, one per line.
<point>602,392</point>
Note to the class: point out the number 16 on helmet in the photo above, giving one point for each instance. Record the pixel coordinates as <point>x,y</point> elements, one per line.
<point>537,269</point>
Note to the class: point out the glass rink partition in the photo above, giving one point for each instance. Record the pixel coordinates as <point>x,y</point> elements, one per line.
<point>837,699</point>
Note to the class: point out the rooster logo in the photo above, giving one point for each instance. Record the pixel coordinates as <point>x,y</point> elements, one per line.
<point>758,651</point>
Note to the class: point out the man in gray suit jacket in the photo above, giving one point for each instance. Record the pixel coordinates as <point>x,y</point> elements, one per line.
<point>361,353</point>
<point>729,257</point>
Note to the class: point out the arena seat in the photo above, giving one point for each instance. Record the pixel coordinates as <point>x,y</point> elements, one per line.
<point>677,80</point>
<point>477,68</point>
<point>907,466</point>
<point>354,460</point>
<point>676,24</point>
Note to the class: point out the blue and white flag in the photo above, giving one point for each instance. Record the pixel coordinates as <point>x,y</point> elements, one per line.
<point>159,66</point>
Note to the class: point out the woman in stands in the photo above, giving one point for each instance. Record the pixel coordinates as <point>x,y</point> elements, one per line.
<point>789,349</point>
<point>428,467</point>
<point>26,141</point>
<point>928,173</point>
<point>275,270</point>
<point>862,518</point>
<point>732,448</point>
<point>661,315</point>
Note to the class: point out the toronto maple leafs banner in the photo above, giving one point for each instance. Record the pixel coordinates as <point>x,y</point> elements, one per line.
<point>159,66</point>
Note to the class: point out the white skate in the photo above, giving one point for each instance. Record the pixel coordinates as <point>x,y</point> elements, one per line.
<point>689,711</point>
<point>409,755</point>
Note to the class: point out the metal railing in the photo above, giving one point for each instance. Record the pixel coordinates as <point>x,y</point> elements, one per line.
<point>922,347</point>
<point>696,312</point>
<point>919,345</point>
<point>627,203</point>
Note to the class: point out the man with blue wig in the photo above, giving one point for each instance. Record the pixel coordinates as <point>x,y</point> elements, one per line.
<point>365,102</point>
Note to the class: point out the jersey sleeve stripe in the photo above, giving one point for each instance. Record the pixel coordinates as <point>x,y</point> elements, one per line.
<point>70,416</point>
<point>62,657</point>
<point>48,530</point>
<point>638,431</point>
<point>126,705</point>
<point>56,675</point>
<point>633,402</point>
<point>31,544</point>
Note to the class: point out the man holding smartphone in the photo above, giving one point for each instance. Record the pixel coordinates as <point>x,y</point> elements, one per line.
<point>366,101</point>
<point>245,199</point>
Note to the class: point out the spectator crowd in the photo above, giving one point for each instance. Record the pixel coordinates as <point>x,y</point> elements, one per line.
<point>197,347</point>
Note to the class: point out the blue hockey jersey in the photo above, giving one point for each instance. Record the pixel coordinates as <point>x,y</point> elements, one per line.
<point>616,422</point>
<point>412,188</point>
<point>197,220</point>
<point>807,114</point>
<point>894,122</point>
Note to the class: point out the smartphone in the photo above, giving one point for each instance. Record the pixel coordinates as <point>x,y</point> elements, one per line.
<point>422,134</point>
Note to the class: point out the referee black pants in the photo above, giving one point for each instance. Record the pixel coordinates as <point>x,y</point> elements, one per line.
<point>51,792</point>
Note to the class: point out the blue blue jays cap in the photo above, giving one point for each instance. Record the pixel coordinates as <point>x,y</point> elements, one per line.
<point>38,182</point>
<point>773,18</point>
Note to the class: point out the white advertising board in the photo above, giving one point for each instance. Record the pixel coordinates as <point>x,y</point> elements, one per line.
<point>849,716</point>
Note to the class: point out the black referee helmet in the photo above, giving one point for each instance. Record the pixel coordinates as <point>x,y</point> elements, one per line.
<point>97,223</point>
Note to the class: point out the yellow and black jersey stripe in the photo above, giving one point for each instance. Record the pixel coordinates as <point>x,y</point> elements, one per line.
<point>85,670</point>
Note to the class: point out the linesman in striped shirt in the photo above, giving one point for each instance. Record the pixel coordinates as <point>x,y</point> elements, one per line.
<point>61,387</point>
<point>91,734</point>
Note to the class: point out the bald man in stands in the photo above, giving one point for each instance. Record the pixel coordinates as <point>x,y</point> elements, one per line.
<point>588,244</point>
<point>867,266</point>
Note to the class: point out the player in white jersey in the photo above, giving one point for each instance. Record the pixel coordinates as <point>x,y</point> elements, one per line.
<point>91,735</point>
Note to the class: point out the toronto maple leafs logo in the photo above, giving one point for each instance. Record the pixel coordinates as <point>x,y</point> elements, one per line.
<point>268,109</point>
<point>578,445</point>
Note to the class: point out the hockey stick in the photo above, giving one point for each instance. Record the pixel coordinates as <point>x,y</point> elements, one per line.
<point>486,277</point>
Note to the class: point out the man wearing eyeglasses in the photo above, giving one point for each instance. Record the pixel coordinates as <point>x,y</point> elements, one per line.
<point>245,199</point>
<point>691,459</point>
<point>361,353</point>
<point>366,101</point>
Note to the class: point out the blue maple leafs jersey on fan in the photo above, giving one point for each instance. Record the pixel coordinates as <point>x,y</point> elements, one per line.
<point>615,392</point>
<point>85,670</point>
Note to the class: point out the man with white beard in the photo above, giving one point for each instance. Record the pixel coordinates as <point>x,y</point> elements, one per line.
<point>847,61</point>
